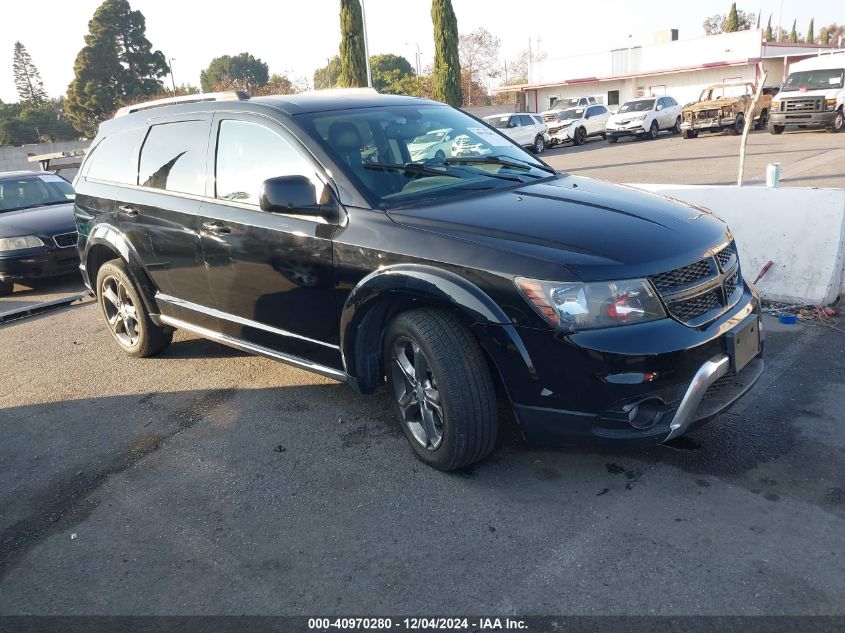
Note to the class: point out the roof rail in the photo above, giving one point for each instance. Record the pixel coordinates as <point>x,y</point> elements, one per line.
<point>231,95</point>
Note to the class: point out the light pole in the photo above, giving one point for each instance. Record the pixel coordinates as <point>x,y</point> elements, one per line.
<point>366,45</point>
<point>417,44</point>
<point>172,78</point>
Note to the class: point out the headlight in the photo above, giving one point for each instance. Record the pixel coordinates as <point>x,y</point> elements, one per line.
<point>829,104</point>
<point>19,243</point>
<point>574,306</point>
<point>639,117</point>
<point>775,105</point>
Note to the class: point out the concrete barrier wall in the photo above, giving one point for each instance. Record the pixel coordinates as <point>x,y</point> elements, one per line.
<point>15,158</point>
<point>801,230</point>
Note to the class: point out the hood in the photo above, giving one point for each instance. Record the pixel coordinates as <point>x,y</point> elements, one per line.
<point>42,221</point>
<point>829,93</point>
<point>713,103</point>
<point>616,116</point>
<point>562,122</point>
<point>591,229</point>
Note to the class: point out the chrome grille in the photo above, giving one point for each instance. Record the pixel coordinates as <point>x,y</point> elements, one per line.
<point>549,117</point>
<point>731,284</point>
<point>684,276</point>
<point>803,105</point>
<point>65,240</point>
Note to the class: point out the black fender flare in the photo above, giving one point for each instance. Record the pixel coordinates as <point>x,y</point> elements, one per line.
<point>433,284</point>
<point>111,237</point>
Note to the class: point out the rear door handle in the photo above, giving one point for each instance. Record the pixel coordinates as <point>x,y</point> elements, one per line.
<point>128,210</point>
<point>215,227</point>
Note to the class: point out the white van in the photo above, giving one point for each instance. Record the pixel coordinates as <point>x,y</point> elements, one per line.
<point>812,96</point>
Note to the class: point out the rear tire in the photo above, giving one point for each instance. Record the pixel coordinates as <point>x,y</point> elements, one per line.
<point>125,315</point>
<point>6,288</point>
<point>776,129</point>
<point>442,388</point>
<point>677,127</point>
<point>691,134</point>
<point>763,121</point>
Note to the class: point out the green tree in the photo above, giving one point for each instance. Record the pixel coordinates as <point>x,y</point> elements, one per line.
<point>446,80</point>
<point>732,23</point>
<point>353,62</point>
<point>793,34</point>
<point>116,66</point>
<point>811,36</point>
<point>27,78</point>
<point>767,35</point>
<point>389,69</point>
<point>327,76</point>
<point>238,72</point>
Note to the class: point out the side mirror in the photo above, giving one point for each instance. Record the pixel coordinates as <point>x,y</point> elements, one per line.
<point>587,116</point>
<point>292,194</point>
<point>511,124</point>
<point>660,107</point>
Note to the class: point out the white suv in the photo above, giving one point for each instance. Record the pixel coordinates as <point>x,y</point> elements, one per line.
<point>578,124</point>
<point>526,129</point>
<point>559,105</point>
<point>645,118</point>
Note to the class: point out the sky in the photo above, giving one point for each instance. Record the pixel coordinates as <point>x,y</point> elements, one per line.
<point>295,38</point>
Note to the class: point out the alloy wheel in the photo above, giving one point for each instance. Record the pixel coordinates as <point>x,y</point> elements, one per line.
<point>653,131</point>
<point>416,393</point>
<point>839,122</point>
<point>121,314</point>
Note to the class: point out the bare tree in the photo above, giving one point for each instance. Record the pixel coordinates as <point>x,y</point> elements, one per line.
<point>479,55</point>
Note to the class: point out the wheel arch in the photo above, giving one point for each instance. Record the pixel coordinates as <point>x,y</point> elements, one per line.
<point>105,243</point>
<point>385,293</point>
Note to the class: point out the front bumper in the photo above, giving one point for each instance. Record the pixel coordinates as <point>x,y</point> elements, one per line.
<point>814,119</point>
<point>717,123</point>
<point>632,385</point>
<point>39,263</point>
<point>631,129</point>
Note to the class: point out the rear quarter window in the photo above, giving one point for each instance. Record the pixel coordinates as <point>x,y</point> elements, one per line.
<point>115,158</point>
<point>173,157</point>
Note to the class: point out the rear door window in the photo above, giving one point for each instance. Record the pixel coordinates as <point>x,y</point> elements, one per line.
<point>115,158</point>
<point>173,157</point>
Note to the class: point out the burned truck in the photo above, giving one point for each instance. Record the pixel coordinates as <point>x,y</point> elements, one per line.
<point>724,107</point>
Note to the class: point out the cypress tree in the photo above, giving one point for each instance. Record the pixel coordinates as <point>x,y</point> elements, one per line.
<point>27,78</point>
<point>767,36</point>
<point>446,84</point>
<point>353,63</point>
<point>811,37</point>
<point>732,23</point>
<point>793,34</point>
<point>116,66</point>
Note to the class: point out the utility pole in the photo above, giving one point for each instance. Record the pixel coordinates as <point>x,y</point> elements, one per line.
<point>417,44</point>
<point>780,21</point>
<point>366,45</point>
<point>172,78</point>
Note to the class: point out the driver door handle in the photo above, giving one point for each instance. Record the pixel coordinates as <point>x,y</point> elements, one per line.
<point>127,209</point>
<point>215,227</point>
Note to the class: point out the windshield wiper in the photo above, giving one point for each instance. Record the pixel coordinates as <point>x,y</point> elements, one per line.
<point>411,168</point>
<point>496,160</point>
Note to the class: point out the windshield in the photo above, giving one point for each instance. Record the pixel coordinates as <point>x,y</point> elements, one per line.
<point>499,122</point>
<point>724,92</point>
<point>638,106</point>
<point>561,103</point>
<point>573,113</point>
<point>399,171</point>
<point>814,80</point>
<point>25,192</point>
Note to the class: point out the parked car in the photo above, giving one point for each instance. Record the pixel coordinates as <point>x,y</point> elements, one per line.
<point>577,125</point>
<point>644,118</point>
<point>464,146</point>
<point>603,314</point>
<point>37,228</point>
<point>813,95</point>
<point>723,107</point>
<point>559,105</point>
<point>528,130</point>
<point>434,144</point>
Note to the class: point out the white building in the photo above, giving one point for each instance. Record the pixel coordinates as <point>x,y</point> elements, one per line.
<point>679,68</point>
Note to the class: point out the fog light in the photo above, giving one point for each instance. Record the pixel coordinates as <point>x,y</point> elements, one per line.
<point>645,414</point>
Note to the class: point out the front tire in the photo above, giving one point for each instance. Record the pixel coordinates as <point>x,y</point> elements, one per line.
<point>776,129</point>
<point>6,288</point>
<point>125,315</point>
<point>539,145</point>
<point>838,121</point>
<point>653,131</point>
<point>739,124</point>
<point>612,139</point>
<point>580,136</point>
<point>442,388</point>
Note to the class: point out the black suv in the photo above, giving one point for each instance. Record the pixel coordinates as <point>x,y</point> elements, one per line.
<point>298,227</point>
